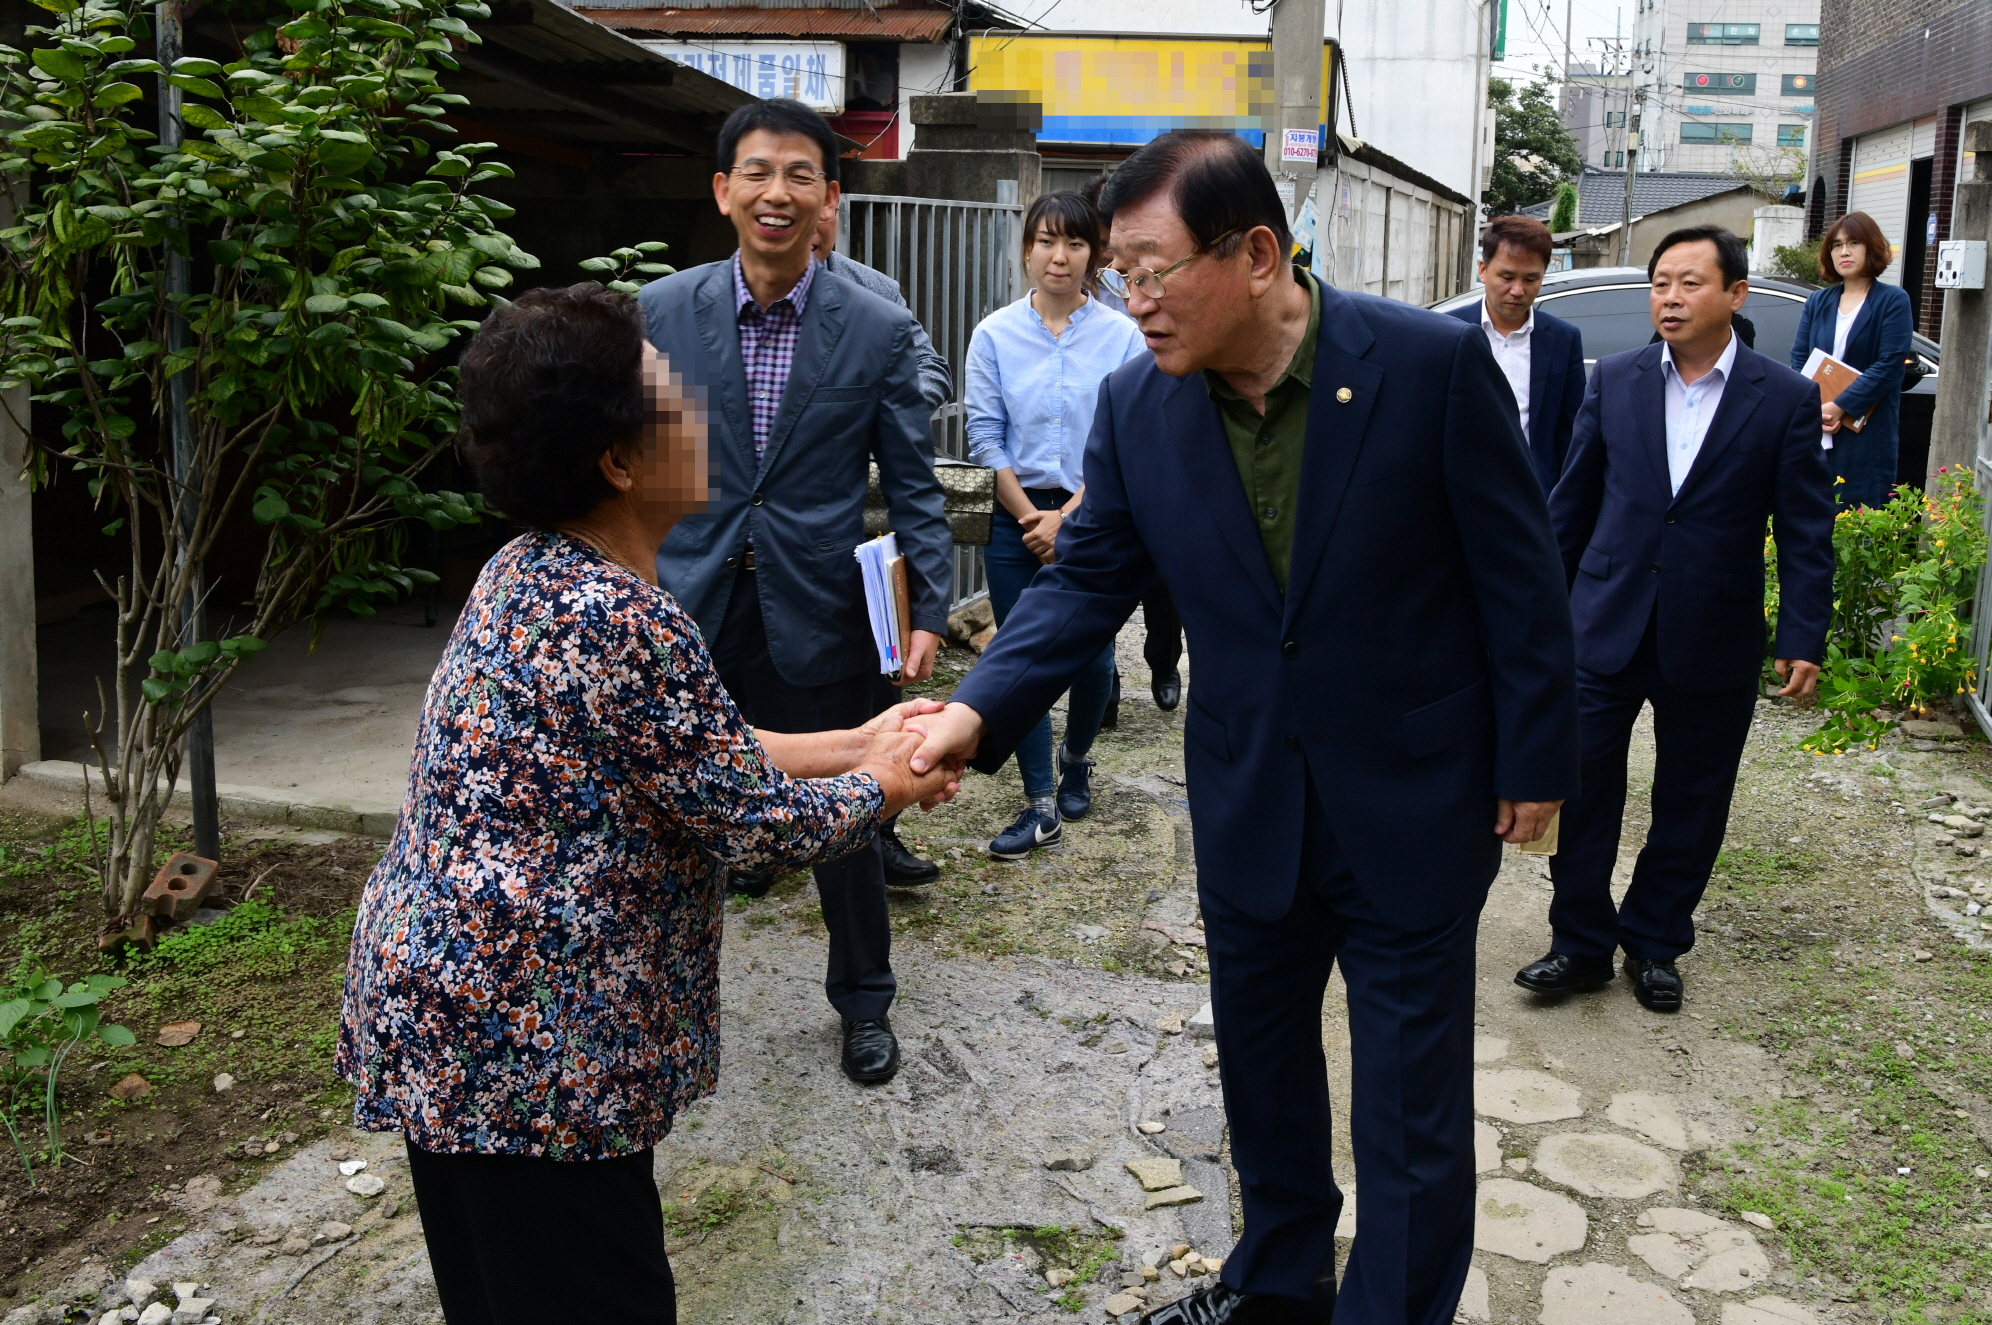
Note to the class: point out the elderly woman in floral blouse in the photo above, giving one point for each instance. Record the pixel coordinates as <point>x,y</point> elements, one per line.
<point>533,991</point>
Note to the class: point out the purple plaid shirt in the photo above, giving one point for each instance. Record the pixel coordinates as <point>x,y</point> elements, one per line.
<point>767,347</point>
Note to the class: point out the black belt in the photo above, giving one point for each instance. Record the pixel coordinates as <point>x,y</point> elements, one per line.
<point>1058,495</point>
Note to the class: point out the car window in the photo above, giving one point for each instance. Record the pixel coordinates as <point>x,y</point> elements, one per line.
<point>1776,318</point>
<point>1616,318</point>
<point>1612,318</point>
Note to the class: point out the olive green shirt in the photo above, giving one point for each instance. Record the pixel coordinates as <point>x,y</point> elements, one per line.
<point>1268,447</point>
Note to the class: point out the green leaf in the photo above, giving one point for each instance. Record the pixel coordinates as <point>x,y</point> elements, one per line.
<point>202,117</point>
<point>492,278</point>
<point>448,164</point>
<point>270,509</point>
<point>196,66</point>
<point>154,690</point>
<point>200,87</point>
<point>599,264</point>
<point>326,304</point>
<point>116,94</point>
<point>343,153</point>
<point>116,1036</point>
<point>60,64</point>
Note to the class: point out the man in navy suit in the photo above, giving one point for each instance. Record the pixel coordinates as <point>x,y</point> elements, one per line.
<point>1682,451</point>
<point>1541,356</point>
<point>806,378</point>
<point>1335,489</point>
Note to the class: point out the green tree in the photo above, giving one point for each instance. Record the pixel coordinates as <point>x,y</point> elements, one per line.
<point>1563,217</point>
<point>1533,149</point>
<point>326,238</point>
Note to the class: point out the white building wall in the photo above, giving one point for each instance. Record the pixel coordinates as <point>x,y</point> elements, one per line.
<point>1662,58</point>
<point>923,70</point>
<point>1417,68</point>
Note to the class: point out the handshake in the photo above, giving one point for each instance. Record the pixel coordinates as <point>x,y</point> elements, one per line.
<point>918,750</point>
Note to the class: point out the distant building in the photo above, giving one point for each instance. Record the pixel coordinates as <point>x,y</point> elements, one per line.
<point>1661,201</point>
<point>1727,83</point>
<point>1900,81</point>
<point>1594,110</point>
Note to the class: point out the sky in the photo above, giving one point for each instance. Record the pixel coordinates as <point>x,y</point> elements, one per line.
<point>1535,33</point>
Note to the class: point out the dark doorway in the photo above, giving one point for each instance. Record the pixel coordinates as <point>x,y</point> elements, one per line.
<point>1916,240</point>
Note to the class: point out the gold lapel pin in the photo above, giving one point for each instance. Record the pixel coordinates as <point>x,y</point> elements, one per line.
<point>1345,395</point>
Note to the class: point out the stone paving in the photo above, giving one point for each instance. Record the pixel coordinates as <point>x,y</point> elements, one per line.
<point>1043,1093</point>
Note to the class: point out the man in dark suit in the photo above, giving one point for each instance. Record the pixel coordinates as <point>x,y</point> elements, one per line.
<point>806,378</point>
<point>1541,356</point>
<point>1681,453</point>
<point>1335,488</point>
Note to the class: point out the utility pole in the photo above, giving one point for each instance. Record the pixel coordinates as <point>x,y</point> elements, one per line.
<point>200,737</point>
<point>1631,164</point>
<point>1293,140</point>
<point>1566,55</point>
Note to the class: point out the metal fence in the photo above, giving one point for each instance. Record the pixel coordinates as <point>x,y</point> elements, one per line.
<point>956,262</point>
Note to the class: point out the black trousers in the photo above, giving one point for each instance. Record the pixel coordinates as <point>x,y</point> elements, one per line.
<point>518,1240</point>
<point>1162,647</point>
<point>1698,738</point>
<point>859,983</point>
<point>1411,1115</point>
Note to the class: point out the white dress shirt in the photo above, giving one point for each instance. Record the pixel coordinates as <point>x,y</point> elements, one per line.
<point>1511,351</point>
<point>1690,407</point>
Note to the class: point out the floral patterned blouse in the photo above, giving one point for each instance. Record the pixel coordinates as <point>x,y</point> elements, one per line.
<point>535,968</point>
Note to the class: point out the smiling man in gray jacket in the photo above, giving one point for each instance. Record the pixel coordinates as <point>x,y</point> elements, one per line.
<point>806,379</point>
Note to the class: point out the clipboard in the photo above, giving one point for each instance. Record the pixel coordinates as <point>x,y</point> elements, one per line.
<point>1834,377</point>
<point>887,603</point>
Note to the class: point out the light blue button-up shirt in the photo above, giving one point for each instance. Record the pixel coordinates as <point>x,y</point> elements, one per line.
<point>1030,394</point>
<point>1691,407</point>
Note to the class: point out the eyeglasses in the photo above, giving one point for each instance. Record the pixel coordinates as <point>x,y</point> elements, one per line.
<point>759,174</point>
<point>1124,283</point>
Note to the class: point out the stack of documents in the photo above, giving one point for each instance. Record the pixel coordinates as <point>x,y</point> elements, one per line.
<point>886,601</point>
<point>1833,378</point>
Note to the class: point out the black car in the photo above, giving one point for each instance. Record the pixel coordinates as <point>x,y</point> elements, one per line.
<point>1610,306</point>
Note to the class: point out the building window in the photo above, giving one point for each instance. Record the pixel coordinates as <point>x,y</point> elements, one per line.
<point>1801,34</point>
<point>1723,34</point>
<point>1798,85</point>
<point>1615,160</point>
<point>1741,84</point>
<point>1614,119</point>
<point>1707,132</point>
<point>1791,135</point>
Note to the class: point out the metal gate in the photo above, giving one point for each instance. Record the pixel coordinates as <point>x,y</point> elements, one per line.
<point>956,262</point>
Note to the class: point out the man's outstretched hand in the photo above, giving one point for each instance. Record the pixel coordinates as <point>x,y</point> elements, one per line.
<point>951,737</point>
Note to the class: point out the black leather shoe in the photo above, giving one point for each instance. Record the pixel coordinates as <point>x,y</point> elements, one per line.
<point>1657,985</point>
<point>903,869</point>
<point>871,1052</point>
<point>1220,1305</point>
<point>750,885</point>
<point>1075,787</point>
<point>1560,973</point>
<point>1111,718</point>
<point>1168,690</point>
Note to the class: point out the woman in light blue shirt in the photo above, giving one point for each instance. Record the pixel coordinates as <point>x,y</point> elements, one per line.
<point>1034,371</point>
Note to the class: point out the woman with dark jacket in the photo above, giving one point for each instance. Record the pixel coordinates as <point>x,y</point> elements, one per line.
<point>533,991</point>
<point>1865,325</point>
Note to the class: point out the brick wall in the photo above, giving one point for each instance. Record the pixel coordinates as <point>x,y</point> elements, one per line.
<point>1851,28</point>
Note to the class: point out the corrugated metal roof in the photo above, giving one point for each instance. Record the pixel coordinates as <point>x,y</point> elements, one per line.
<point>886,23</point>
<point>1601,193</point>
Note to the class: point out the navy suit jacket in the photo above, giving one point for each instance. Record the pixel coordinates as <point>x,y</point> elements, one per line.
<point>1632,547</point>
<point>853,396</point>
<point>1877,345</point>
<point>1419,664</point>
<point>1556,388</point>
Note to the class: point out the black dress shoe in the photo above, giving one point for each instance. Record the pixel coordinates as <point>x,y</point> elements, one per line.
<point>903,869</point>
<point>871,1051</point>
<point>755,884</point>
<point>1220,1305</point>
<point>1657,985</point>
<point>1560,973</point>
<point>1168,690</point>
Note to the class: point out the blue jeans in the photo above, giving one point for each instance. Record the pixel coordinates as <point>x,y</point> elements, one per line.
<point>1010,566</point>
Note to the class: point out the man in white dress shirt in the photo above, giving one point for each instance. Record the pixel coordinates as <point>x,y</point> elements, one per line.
<point>1682,450</point>
<point>1541,356</point>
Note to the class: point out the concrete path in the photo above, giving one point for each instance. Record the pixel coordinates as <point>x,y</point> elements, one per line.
<point>1046,1017</point>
